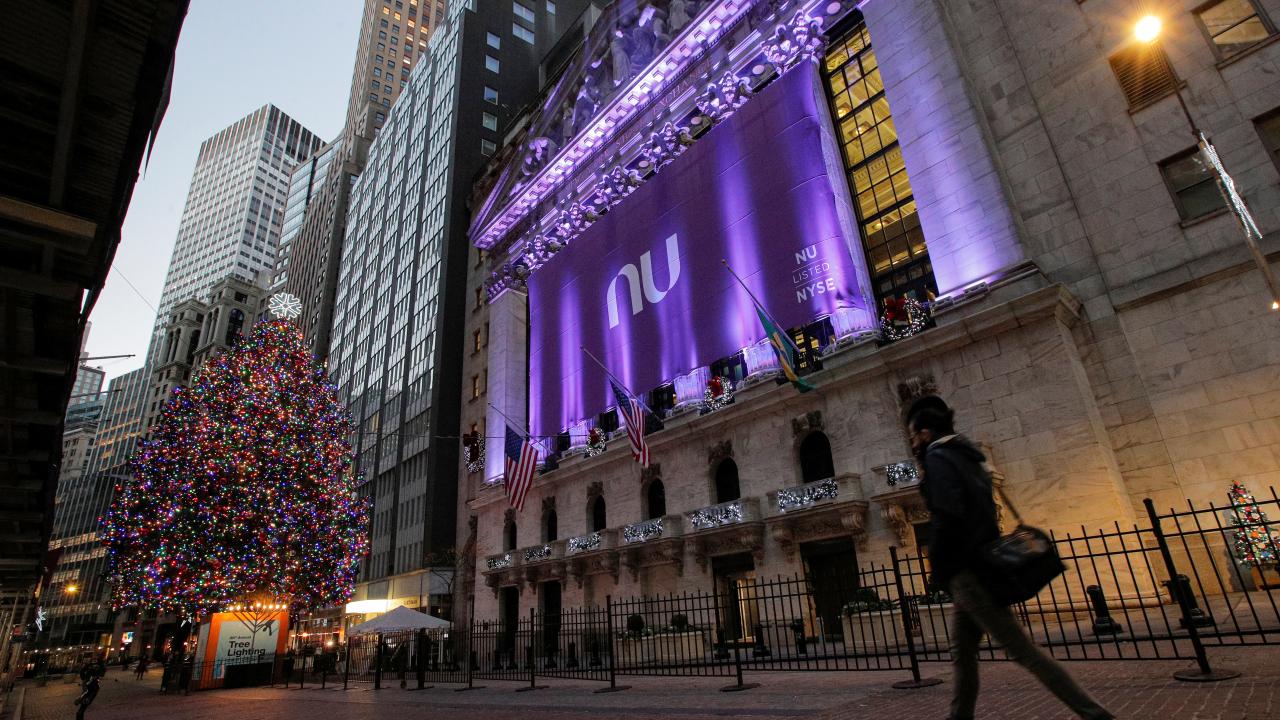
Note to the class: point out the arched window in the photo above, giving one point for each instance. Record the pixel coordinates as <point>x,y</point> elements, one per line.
<point>599,520</point>
<point>727,481</point>
<point>234,326</point>
<point>815,458</point>
<point>656,500</point>
<point>509,536</point>
<point>549,526</point>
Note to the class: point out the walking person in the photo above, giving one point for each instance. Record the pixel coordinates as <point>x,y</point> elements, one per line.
<point>142,666</point>
<point>90,679</point>
<point>958,492</point>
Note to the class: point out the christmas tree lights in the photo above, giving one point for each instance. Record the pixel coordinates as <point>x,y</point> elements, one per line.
<point>1255,544</point>
<point>243,491</point>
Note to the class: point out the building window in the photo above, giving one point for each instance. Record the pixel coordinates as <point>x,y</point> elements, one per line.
<point>487,148</point>
<point>493,41</point>
<point>489,121</point>
<point>727,481</point>
<point>491,63</point>
<point>551,8</point>
<point>1269,130</point>
<point>509,535</point>
<point>655,500</point>
<point>475,341</point>
<point>1144,73</point>
<point>1194,190</point>
<point>815,458</point>
<point>479,298</point>
<point>490,95</point>
<point>890,228</point>
<point>475,387</point>
<point>550,526</point>
<point>599,518</point>
<point>522,32</point>
<point>1233,25</point>
<point>523,12</point>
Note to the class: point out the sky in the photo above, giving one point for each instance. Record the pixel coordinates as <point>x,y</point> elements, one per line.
<point>233,57</point>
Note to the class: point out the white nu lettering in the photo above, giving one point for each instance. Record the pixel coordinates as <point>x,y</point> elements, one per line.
<point>651,292</point>
<point>637,304</point>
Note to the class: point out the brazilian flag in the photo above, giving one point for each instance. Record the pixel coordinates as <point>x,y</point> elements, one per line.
<point>782,346</point>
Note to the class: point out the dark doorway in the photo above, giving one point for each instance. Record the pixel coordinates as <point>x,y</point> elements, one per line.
<point>656,501</point>
<point>551,607</point>
<point>509,536</point>
<point>727,481</point>
<point>550,528</point>
<point>831,567</point>
<point>599,518</point>
<point>509,610</point>
<point>735,583</point>
<point>815,458</point>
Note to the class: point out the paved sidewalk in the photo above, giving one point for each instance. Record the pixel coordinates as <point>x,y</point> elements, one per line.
<point>1133,690</point>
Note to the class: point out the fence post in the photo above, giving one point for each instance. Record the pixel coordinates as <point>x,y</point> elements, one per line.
<point>377,668</point>
<point>1202,673</point>
<point>737,655</point>
<point>346,664</point>
<point>421,651</point>
<point>531,652</point>
<point>302,674</point>
<point>904,604</point>
<point>613,669</point>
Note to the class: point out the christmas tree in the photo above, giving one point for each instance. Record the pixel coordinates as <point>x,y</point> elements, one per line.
<point>244,489</point>
<point>1255,543</point>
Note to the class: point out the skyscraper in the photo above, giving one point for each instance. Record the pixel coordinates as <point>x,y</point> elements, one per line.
<point>235,206</point>
<point>96,451</point>
<point>231,222</point>
<point>393,37</point>
<point>397,323</point>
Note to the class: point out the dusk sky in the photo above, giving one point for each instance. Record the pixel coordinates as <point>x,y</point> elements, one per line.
<point>233,57</point>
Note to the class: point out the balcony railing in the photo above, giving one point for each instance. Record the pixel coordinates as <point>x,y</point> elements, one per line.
<point>807,495</point>
<point>501,561</point>
<point>643,531</point>
<point>901,474</point>
<point>726,513</point>
<point>591,542</point>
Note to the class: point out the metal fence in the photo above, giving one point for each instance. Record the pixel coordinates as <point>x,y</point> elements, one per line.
<point>1165,590</point>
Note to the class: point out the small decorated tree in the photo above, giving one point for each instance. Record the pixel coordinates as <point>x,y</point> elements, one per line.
<point>1255,544</point>
<point>244,489</point>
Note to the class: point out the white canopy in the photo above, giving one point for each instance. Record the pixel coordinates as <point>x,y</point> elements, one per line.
<point>401,618</point>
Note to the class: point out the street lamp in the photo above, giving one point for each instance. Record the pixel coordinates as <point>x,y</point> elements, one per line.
<point>1147,30</point>
<point>71,589</point>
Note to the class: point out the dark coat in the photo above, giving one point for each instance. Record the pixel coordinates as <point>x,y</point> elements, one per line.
<point>957,491</point>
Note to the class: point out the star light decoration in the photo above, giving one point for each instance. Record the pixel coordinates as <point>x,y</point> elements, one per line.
<point>244,491</point>
<point>285,306</point>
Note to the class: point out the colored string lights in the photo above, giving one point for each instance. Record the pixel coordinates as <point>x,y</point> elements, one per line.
<point>244,490</point>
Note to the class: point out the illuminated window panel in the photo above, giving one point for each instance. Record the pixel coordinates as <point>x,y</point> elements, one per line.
<point>890,228</point>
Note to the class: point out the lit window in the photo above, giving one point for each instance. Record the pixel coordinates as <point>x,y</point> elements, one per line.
<point>493,41</point>
<point>487,148</point>
<point>1194,190</point>
<point>490,95</point>
<point>551,8</point>
<point>1144,73</point>
<point>1233,25</point>
<point>522,32</point>
<point>396,16</point>
<point>386,10</point>
<point>490,63</point>
<point>475,386</point>
<point>523,12</point>
<point>489,121</point>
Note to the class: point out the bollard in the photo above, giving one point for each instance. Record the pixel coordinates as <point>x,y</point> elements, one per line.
<point>722,647</point>
<point>797,628</point>
<point>759,648</point>
<point>1180,590</point>
<point>1103,623</point>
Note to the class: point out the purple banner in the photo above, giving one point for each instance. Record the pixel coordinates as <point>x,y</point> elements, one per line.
<point>644,288</point>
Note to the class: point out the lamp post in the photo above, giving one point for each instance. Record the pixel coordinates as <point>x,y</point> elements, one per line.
<point>1147,30</point>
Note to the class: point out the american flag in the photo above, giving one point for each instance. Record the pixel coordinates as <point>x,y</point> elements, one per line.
<point>522,461</point>
<point>632,413</point>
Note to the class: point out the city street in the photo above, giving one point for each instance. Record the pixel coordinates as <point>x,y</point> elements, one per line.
<point>1131,690</point>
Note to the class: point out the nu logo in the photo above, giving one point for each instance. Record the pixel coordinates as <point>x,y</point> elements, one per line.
<point>643,277</point>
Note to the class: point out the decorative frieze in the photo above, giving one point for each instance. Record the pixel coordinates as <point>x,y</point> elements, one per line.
<point>800,40</point>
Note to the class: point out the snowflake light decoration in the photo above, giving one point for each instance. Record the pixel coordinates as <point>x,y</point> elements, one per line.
<point>284,305</point>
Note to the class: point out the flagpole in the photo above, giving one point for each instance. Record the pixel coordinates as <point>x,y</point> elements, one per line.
<point>523,430</point>
<point>761,305</point>
<point>614,378</point>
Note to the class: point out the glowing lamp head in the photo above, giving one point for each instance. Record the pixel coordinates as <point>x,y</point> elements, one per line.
<point>71,589</point>
<point>1147,29</point>
<point>1275,304</point>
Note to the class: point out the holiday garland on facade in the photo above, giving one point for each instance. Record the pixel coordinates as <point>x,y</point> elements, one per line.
<point>243,491</point>
<point>1255,544</point>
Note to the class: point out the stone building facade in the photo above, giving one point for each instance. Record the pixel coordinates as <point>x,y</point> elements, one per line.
<point>1097,321</point>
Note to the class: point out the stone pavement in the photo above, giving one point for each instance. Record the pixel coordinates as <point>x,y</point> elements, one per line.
<point>1133,690</point>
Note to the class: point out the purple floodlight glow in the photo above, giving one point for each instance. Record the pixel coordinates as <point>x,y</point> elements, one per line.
<point>643,288</point>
